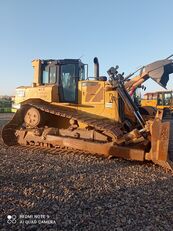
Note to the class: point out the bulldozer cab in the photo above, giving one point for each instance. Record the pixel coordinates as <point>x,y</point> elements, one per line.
<point>65,74</point>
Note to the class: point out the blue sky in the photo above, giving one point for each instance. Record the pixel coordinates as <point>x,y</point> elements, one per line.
<point>130,33</point>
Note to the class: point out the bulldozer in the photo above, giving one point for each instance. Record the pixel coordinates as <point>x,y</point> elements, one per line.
<point>66,108</point>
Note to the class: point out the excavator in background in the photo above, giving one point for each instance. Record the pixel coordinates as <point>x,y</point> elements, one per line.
<point>66,108</point>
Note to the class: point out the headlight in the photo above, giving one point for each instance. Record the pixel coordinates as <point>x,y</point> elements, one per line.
<point>16,106</point>
<point>20,93</point>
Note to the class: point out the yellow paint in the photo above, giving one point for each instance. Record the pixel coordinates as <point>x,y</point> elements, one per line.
<point>145,102</point>
<point>48,93</point>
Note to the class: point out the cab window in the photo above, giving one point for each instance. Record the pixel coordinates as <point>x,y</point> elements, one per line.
<point>82,73</point>
<point>154,96</point>
<point>150,96</point>
<point>160,99</point>
<point>146,96</point>
<point>45,78</point>
<point>52,74</point>
<point>49,74</point>
<point>167,99</point>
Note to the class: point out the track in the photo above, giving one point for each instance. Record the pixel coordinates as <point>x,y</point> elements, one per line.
<point>53,151</point>
<point>108,126</point>
<point>8,131</point>
<point>67,145</point>
<point>99,123</point>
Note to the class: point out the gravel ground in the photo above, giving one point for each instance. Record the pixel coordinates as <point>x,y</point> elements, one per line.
<point>4,117</point>
<point>81,192</point>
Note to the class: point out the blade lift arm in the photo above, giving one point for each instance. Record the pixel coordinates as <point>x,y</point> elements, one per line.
<point>158,71</point>
<point>117,81</point>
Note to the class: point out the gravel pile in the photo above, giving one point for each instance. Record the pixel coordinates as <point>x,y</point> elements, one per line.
<point>81,192</point>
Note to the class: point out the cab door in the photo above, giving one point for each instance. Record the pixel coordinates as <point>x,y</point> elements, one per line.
<point>69,78</point>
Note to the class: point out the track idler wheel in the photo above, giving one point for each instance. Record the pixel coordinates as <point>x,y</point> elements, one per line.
<point>33,118</point>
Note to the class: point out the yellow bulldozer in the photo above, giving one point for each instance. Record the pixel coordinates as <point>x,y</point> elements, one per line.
<point>66,108</point>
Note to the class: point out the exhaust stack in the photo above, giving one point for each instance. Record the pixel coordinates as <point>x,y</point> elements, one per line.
<point>96,68</point>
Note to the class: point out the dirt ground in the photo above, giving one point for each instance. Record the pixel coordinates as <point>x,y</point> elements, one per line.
<point>41,191</point>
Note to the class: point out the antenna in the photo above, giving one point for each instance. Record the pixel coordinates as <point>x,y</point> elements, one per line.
<point>169,56</point>
<point>81,56</point>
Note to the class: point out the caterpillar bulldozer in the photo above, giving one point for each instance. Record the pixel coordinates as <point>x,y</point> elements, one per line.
<point>66,108</point>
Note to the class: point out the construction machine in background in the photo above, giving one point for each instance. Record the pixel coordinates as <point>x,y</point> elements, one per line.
<point>158,99</point>
<point>160,70</point>
<point>66,108</point>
